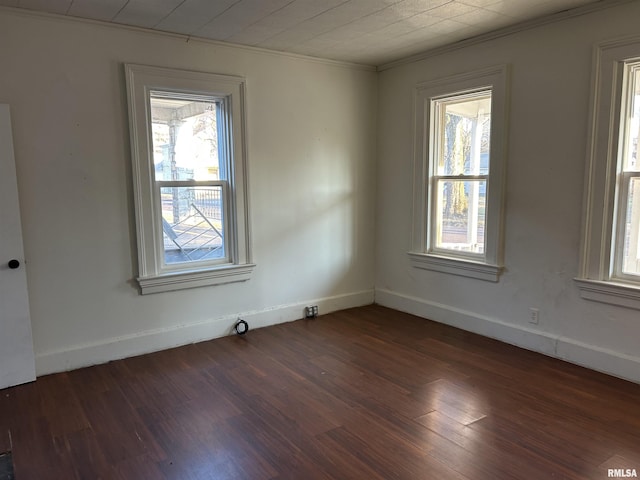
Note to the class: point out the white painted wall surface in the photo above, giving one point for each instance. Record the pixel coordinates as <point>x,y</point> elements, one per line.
<point>311,150</point>
<point>550,97</point>
<point>312,145</point>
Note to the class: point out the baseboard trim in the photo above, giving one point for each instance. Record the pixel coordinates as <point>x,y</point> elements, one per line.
<point>568,349</point>
<point>154,340</point>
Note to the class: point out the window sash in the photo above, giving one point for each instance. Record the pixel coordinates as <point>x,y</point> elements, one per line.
<point>434,222</point>
<point>437,119</point>
<point>223,125</point>
<point>619,234</point>
<point>227,231</point>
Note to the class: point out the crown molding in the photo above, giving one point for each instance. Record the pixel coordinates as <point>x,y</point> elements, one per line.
<point>187,38</point>
<point>450,47</point>
<point>505,31</point>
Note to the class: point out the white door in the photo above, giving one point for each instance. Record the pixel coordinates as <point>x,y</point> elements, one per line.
<point>17,361</point>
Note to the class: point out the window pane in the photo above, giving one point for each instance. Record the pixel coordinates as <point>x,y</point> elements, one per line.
<point>630,259</point>
<point>192,223</point>
<point>460,214</point>
<point>463,135</point>
<point>632,121</point>
<point>185,137</point>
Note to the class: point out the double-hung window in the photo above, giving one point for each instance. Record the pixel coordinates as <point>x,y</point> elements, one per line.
<point>626,259</point>
<point>189,178</point>
<point>458,174</point>
<point>610,255</point>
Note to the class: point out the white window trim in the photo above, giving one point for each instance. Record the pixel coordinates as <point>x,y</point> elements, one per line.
<point>456,266</point>
<point>595,279</point>
<point>152,277</point>
<point>490,267</point>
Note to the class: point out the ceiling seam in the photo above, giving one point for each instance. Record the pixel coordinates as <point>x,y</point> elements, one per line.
<point>194,32</point>
<point>119,11</point>
<point>267,16</point>
<point>173,10</point>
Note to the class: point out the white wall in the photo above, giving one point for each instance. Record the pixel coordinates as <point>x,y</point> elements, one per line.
<point>311,150</point>
<point>550,97</point>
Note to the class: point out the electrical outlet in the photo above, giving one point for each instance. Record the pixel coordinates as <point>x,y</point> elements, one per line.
<point>534,315</point>
<point>311,311</point>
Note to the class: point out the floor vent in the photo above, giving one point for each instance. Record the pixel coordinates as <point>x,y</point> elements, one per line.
<point>6,466</point>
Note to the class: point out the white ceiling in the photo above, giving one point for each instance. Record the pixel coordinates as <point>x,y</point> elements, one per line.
<point>364,31</point>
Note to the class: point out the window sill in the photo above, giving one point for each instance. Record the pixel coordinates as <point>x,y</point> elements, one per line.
<point>620,294</point>
<point>456,266</point>
<point>192,279</point>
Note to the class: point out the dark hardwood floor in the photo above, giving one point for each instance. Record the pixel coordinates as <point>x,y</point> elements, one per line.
<point>368,393</point>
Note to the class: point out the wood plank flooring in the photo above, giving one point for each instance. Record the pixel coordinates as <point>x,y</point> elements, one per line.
<point>362,394</point>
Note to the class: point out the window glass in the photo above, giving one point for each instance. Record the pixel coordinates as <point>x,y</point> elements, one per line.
<point>463,134</point>
<point>631,260</point>
<point>461,215</point>
<point>632,127</point>
<point>192,224</point>
<point>185,138</point>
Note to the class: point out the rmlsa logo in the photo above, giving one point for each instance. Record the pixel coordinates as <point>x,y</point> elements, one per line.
<point>622,473</point>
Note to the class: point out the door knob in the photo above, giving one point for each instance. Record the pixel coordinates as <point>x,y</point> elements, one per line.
<point>13,264</point>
